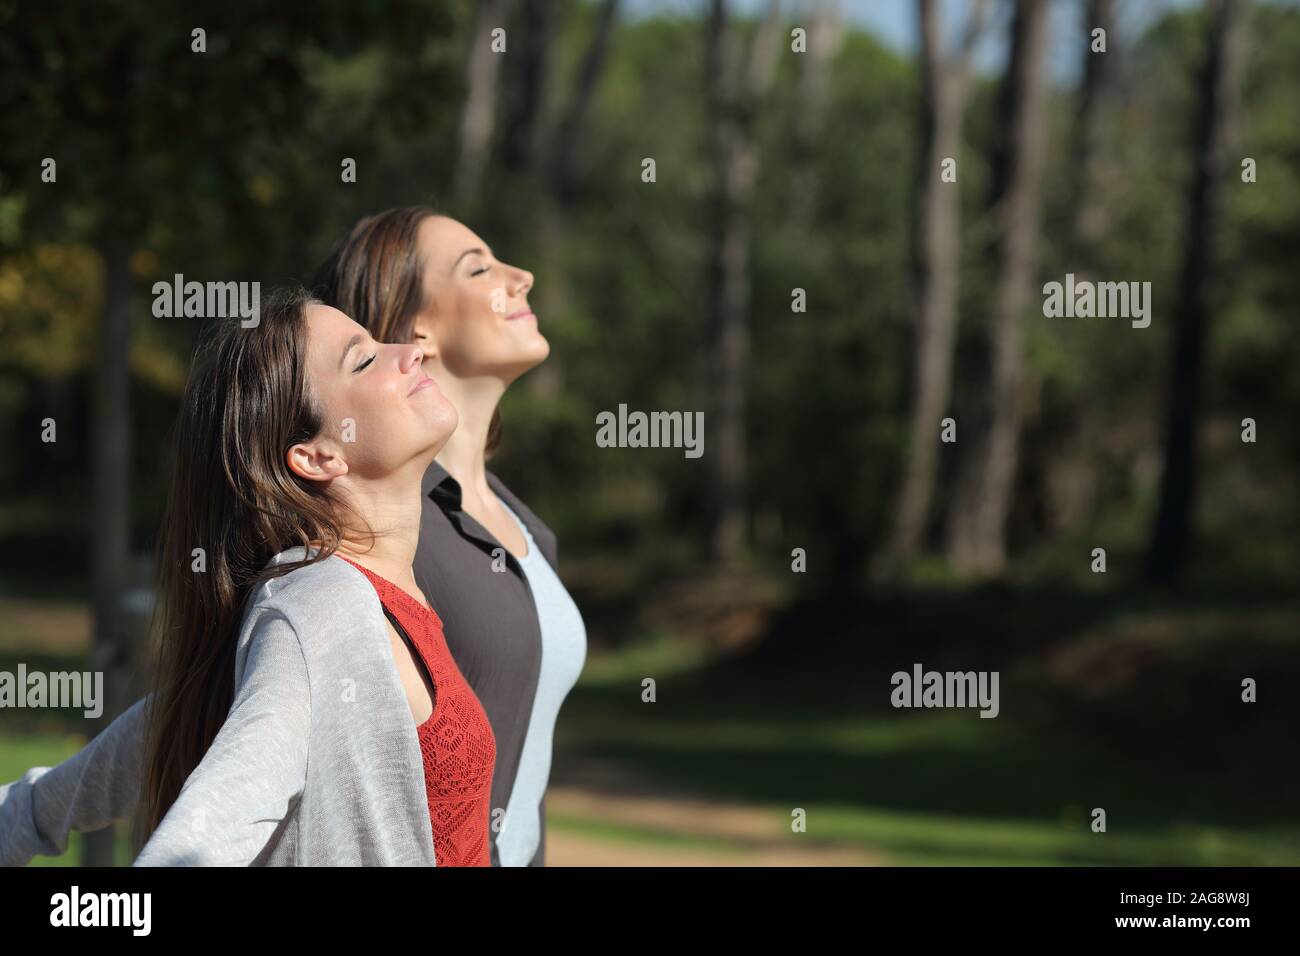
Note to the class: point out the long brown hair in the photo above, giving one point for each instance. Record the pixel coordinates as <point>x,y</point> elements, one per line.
<point>232,495</point>
<point>376,276</point>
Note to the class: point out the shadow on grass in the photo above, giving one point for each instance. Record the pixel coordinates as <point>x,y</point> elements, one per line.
<point>1129,703</point>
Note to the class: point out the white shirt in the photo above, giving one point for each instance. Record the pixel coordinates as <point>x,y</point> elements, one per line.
<point>564,651</point>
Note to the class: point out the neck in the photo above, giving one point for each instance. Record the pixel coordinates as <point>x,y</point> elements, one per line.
<point>463,456</point>
<point>392,509</point>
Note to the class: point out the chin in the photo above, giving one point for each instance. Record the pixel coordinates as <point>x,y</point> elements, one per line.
<point>539,350</point>
<point>524,360</point>
<point>443,421</point>
<point>440,440</point>
<point>449,420</point>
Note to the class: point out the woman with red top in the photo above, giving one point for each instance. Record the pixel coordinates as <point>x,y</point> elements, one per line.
<point>456,741</point>
<point>305,430</point>
<point>455,736</point>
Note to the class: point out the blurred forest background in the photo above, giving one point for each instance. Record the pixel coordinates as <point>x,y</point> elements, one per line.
<point>775,171</point>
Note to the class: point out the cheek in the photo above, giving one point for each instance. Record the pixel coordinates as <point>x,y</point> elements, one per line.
<point>370,410</point>
<point>487,297</point>
<point>463,341</point>
<point>333,412</point>
<point>381,418</point>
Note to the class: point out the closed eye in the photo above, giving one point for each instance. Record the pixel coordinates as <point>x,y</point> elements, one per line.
<point>482,269</point>
<point>363,364</point>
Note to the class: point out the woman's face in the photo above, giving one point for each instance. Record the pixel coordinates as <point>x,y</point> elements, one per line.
<point>476,320</point>
<point>381,411</point>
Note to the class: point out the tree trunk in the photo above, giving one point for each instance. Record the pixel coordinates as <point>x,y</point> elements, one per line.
<point>111,499</point>
<point>1087,226</point>
<point>735,97</point>
<point>825,36</point>
<point>936,248</point>
<point>525,80</point>
<point>483,75</point>
<point>570,135</point>
<point>977,543</point>
<point>1220,84</point>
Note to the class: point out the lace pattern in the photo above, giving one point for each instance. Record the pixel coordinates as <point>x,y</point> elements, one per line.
<point>456,741</point>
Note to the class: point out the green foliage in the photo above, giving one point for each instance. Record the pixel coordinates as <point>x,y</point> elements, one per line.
<point>226,164</point>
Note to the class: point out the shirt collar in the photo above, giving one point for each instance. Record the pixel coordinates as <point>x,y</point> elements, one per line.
<point>442,487</point>
<point>445,490</point>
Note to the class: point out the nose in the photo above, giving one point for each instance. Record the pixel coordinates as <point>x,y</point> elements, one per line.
<point>524,282</point>
<point>411,356</point>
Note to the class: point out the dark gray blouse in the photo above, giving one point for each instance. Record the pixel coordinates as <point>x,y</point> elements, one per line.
<point>489,620</point>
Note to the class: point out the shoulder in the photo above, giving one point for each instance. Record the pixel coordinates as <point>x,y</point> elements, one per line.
<point>328,591</point>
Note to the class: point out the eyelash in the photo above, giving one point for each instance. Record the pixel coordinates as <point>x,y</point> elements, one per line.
<point>364,364</point>
<point>480,269</point>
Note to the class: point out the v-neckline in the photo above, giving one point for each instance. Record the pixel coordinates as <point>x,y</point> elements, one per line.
<point>405,595</point>
<point>518,522</point>
<point>438,693</point>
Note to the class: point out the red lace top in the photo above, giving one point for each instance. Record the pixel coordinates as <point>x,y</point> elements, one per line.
<point>457,741</point>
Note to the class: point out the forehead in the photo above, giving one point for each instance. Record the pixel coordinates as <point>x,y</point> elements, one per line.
<point>444,239</point>
<point>328,330</point>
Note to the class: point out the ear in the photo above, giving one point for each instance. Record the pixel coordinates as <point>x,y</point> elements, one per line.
<point>315,461</point>
<point>422,332</point>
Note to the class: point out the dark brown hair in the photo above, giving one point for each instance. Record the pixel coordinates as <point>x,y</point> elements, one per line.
<point>232,494</point>
<point>376,276</point>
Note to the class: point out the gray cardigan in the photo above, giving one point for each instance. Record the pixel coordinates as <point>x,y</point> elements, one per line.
<point>317,764</point>
<point>491,626</point>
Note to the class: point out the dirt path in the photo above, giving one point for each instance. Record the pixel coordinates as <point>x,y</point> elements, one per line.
<point>44,626</point>
<point>597,792</point>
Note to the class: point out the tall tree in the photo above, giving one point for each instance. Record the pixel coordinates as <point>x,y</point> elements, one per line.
<point>1220,82</point>
<point>567,139</point>
<point>562,184</point>
<point>977,523</point>
<point>525,80</point>
<point>483,72</point>
<point>936,246</point>
<point>736,90</point>
<point>1086,226</point>
<point>825,25</point>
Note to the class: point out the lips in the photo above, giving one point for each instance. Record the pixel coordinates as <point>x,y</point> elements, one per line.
<point>421,385</point>
<point>520,314</point>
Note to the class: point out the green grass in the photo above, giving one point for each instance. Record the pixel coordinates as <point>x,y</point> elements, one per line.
<point>639,835</point>
<point>931,838</point>
<point>937,787</point>
<point>1010,820</point>
<point>902,839</point>
<point>20,753</point>
<point>927,787</point>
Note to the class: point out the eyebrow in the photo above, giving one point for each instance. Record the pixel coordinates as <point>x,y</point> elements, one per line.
<point>352,342</point>
<point>462,256</point>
